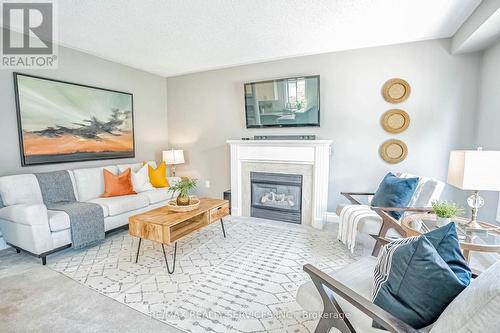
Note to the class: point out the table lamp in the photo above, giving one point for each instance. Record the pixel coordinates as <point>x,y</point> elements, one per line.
<point>173,157</point>
<point>474,170</point>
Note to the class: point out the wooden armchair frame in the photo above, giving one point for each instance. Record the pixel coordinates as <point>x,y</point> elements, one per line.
<point>334,316</point>
<point>388,222</point>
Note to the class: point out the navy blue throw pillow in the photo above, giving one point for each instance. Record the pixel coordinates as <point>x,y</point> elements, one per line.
<point>445,241</point>
<point>415,281</point>
<point>394,192</point>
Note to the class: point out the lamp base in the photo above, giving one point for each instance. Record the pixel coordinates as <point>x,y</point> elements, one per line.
<point>473,225</point>
<point>475,201</point>
<point>172,170</point>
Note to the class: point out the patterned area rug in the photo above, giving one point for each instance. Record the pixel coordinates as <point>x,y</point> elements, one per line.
<point>246,282</point>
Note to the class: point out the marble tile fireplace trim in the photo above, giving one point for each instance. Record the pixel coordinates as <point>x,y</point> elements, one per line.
<point>309,157</point>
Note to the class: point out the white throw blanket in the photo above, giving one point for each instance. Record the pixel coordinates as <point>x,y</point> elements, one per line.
<point>348,225</point>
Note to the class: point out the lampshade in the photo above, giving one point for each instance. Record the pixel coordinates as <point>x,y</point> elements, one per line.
<point>474,170</point>
<point>173,156</point>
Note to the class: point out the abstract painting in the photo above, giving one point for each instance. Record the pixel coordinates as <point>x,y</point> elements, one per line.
<point>67,122</point>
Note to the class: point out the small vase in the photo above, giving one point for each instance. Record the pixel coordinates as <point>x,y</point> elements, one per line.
<point>183,200</point>
<point>442,221</point>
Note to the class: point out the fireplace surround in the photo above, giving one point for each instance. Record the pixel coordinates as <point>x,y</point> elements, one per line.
<point>309,158</point>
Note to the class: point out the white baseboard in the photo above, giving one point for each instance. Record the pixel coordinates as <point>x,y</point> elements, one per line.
<point>331,217</point>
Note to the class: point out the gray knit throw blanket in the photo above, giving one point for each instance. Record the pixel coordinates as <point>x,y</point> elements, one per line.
<point>86,219</point>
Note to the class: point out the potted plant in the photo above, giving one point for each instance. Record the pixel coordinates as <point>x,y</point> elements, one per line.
<point>445,211</point>
<point>183,187</point>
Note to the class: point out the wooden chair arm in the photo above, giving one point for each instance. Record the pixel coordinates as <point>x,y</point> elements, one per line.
<point>404,209</point>
<point>382,317</point>
<point>354,201</point>
<point>389,222</point>
<point>357,193</point>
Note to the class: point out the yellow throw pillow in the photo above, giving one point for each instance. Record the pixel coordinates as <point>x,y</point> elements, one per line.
<point>158,176</point>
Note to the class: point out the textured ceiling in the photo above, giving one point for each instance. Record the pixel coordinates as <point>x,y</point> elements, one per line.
<point>172,37</point>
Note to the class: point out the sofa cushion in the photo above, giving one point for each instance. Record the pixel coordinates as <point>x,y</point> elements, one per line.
<point>58,220</point>
<point>140,179</point>
<point>98,201</point>
<point>90,181</point>
<point>122,204</point>
<point>157,195</point>
<point>428,190</point>
<point>476,308</point>
<point>20,190</point>
<point>158,176</point>
<point>413,282</point>
<point>394,192</point>
<point>445,241</point>
<point>117,185</point>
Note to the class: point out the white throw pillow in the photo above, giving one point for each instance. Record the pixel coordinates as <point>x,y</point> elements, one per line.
<point>140,180</point>
<point>427,191</point>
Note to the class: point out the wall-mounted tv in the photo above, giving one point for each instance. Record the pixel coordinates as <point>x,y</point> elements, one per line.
<point>290,102</point>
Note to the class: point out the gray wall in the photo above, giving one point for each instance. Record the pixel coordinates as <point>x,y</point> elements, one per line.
<point>205,109</point>
<point>150,107</point>
<point>488,133</point>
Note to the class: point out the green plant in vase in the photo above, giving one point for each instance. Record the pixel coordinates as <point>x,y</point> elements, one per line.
<point>445,211</point>
<point>182,188</point>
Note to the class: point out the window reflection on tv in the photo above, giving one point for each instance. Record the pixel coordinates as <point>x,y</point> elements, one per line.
<point>283,103</point>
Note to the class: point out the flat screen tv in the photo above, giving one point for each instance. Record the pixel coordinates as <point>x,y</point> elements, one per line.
<point>290,102</point>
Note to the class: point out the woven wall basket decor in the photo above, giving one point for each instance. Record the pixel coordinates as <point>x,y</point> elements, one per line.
<point>395,121</point>
<point>393,151</point>
<point>396,90</point>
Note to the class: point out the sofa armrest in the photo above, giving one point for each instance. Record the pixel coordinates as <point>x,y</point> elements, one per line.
<point>31,215</point>
<point>382,317</point>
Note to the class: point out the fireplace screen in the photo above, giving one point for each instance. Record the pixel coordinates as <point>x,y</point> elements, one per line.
<point>276,196</point>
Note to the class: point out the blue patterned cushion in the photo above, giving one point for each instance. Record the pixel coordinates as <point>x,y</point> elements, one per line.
<point>394,192</point>
<point>417,277</point>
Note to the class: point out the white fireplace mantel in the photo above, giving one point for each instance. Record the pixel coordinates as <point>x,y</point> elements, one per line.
<point>309,152</point>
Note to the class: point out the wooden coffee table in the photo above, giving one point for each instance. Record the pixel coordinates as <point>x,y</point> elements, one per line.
<point>164,226</point>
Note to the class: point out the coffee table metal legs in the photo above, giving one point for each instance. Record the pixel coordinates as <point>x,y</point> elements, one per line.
<point>223,231</point>
<point>164,255</point>
<point>166,261</point>
<point>138,249</point>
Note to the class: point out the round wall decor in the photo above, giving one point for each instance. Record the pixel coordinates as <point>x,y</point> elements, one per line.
<point>393,151</point>
<point>396,90</point>
<point>395,121</point>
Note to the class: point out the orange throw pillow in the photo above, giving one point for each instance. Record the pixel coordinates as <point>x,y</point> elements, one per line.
<point>117,185</point>
<point>158,176</point>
